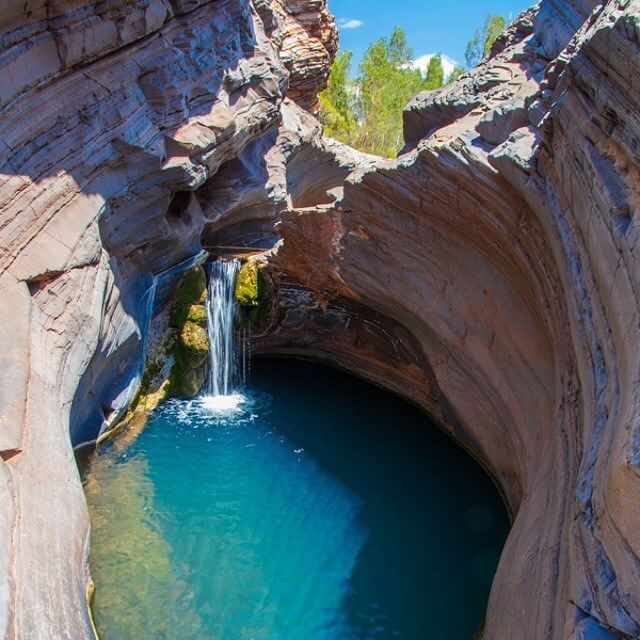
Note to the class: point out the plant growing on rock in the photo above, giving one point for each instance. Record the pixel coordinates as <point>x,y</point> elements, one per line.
<point>248,291</point>
<point>191,346</point>
<point>192,291</point>
<point>480,44</point>
<point>251,295</point>
<point>197,313</point>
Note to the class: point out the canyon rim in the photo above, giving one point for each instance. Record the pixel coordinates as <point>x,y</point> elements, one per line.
<point>490,274</point>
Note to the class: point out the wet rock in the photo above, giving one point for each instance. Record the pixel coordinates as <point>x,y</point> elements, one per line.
<point>191,293</point>
<point>197,313</point>
<point>248,289</point>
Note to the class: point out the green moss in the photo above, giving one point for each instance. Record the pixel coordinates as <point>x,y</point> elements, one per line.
<point>190,350</point>
<point>248,290</point>
<point>186,381</point>
<point>189,372</point>
<point>194,339</point>
<point>197,313</point>
<point>251,293</point>
<point>192,291</point>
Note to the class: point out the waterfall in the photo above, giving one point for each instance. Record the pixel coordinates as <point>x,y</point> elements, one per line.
<point>221,311</point>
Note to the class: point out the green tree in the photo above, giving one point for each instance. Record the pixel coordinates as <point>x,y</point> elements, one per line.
<point>399,51</point>
<point>435,73</point>
<point>337,102</point>
<point>456,74</point>
<point>386,83</point>
<point>480,45</point>
<point>366,112</point>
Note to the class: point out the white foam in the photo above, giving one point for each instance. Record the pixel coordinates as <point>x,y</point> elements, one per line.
<point>223,405</point>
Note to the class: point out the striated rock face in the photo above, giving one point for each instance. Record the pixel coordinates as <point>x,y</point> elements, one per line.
<point>113,115</point>
<point>309,44</point>
<point>505,241</point>
<point>490,274</point>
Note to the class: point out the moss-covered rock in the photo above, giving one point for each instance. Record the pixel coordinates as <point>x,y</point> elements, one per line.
<point>192,291</point>
<point>186,382</point>
<point>194,339</point>
<point>248,291</point>
<point>197,313</point>
<point>191,348</point>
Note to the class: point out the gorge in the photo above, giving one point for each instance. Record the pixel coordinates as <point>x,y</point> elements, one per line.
<point>489,275</point>
<point>291,503</point>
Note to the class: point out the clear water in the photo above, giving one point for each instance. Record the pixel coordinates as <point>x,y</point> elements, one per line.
<point>321,509</point>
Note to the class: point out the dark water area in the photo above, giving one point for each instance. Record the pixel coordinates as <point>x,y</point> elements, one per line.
<point>319,508</point>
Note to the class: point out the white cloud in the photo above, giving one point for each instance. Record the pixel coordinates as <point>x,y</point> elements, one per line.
<point>422,63</point>
<point>348,23</point>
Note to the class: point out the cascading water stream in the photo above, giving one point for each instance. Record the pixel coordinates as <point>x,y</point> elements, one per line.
<point>221,312</point>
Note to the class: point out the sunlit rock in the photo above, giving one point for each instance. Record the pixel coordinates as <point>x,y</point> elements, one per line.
<point>490,274</point>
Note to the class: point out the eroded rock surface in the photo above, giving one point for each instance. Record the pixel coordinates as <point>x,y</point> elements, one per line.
<point>490,274</point>
<point>112,117</point>
<point>505,240</point>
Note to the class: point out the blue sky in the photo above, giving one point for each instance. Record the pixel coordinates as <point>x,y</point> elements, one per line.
<point>432,26</point>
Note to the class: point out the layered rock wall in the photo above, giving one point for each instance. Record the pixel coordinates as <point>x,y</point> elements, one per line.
<point>490,274</point>
<point>505,241</point>
<point>112,114</point>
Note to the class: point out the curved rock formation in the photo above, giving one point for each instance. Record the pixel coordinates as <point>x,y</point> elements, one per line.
<point>505,242</point>
<point>490,274</point>
<point>111,116</point>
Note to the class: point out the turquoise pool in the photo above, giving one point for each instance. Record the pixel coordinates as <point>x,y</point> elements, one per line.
<point>320,508</point>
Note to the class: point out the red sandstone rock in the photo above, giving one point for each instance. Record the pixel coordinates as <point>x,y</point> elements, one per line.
<point>111,116</point>
<point>506,242</point>
<point>490,274</point>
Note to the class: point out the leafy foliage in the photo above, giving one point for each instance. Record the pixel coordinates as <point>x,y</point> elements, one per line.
<point>435,73</point>
<point>248,289</point>
<point>338,102</point>
<point>367,112</point>
<point>386,82</point>
<point>480,45</point>
<point>457,73</point>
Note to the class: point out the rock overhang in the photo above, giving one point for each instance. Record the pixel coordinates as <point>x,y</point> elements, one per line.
<point>498,253</point>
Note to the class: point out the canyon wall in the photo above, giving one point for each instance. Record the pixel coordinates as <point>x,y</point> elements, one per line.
<point>505,240</point>
<point>112,115</point>
<point>490,274</point>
